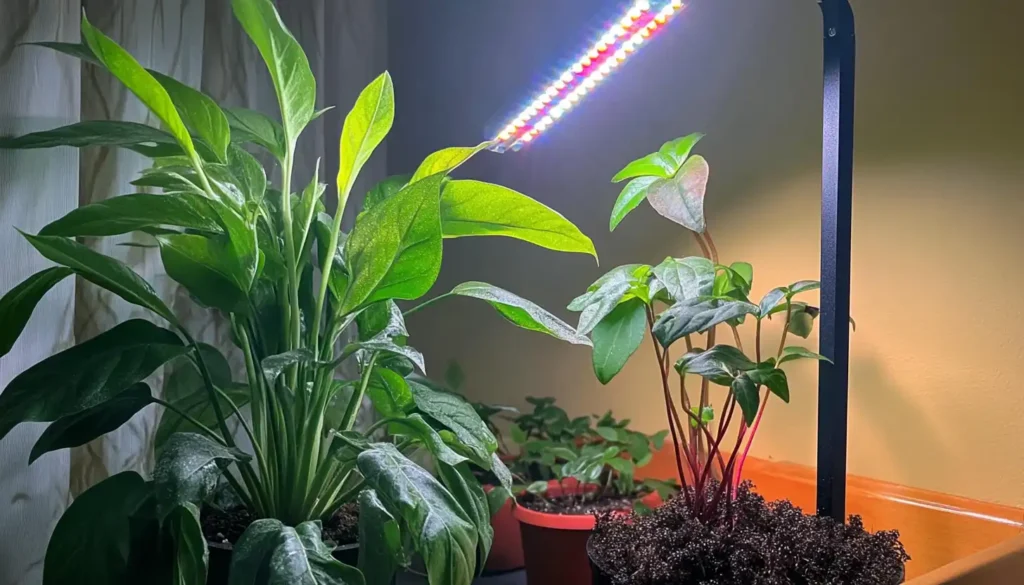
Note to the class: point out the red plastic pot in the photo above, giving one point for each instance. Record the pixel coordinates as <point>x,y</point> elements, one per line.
<point>507,548</point>
<point>555,545</point>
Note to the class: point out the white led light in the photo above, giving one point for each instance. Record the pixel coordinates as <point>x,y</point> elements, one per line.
<point>537,104</point>
<point>626,21</point>
<point>620,55</point>
<point>547,121</point>
<point>527,137</point>
<point>605,68</point>
<point>565,105</point>
<point>677,4</point>
<point>636,39</point>
<point>505,135</point>
<point>577,68</point>
<point>581,91</point>
<point>541,126</point>
<point>635,13</point>
<point>589,83</point>
<point>602,46</point>
<point>574,96</point>
<point>597,76</point>
<point>643,4</point>
<point>551,92</point>
<point>559,86</point>
<point>556,112</point>
<point>519,123</point>
<point>566,77</point>
<point>530,112</point>
<point>628,46</point>
<point>510,129</point>
<point>608,39</point>
<point>618,30</point>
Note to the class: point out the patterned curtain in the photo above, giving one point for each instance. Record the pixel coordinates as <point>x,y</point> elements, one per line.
<point>199,43</point>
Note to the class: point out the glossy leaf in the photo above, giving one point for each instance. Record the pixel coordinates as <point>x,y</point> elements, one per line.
<point>600,303</point>
<point>697,315</point>
<point>81,427</point>
<point>803,286</point>
<point>681,198</point>
<point>415,427</point>
<point>446,160</point>
<point>190,552</point>
<point>250,177</point>
<point>795,352</point>
<point>17,305</point>
<point>746,392</point>
<point>632,195</point>
<point>389,393</point>
<point>457,415</point>
<point>87,374</point>
<point>289,69</point>
<point>203,266</point>
<point>144,139</point>
<point>466,489</point>
<point>617,337</point>
<point>720,364</point>
<point>770,300</point>
<point>801,319</point>
<point>520,311</point>
<point>624,273</point>
<point>678,150</point>
<point>380,540</point>
<point>273,366</point>
<point>271,553</point>
<point>257,128</point>
<point>199,113</point>
<point>654,164</point>
<point>475,208</point>
<point>686,278</point>
<point>138,211</point>
<point>395,250</point>
<point>103,271</point>
<point>365,128</point>
<point>773,378</point>
<point>439,529</point>
<point>187,469</point>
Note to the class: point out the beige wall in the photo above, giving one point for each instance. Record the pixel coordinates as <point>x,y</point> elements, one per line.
<point>937,399</point>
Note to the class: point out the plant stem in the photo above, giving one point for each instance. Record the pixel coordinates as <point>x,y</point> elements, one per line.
<point>205,429</point>
<point>711,244</point>
<point>677,438</point>
<point>703,247</point>
<point>291,260</point>
<point>356,401</point>
<point>425,304</point>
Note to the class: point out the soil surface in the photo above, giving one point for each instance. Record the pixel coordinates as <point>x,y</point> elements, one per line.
<point>577,505</point>
<point>763,544</point>
<point>227,526</point>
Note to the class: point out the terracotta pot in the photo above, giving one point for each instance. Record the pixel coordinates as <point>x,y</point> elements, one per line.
<point>220,560</point>
<point>507,548</point>
<point>555,545</point>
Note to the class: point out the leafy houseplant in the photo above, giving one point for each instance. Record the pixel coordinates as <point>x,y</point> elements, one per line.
<point>302,297</point>
<point>691,302</point>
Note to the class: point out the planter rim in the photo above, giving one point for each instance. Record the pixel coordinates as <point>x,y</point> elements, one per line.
<point>567,521</point>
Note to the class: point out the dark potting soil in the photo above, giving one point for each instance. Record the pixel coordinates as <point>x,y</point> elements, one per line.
<point>768,544</point>
<point>578,504</point>
<point>227,526</point>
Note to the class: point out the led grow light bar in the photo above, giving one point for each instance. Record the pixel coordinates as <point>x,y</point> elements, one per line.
<point>612,49</point>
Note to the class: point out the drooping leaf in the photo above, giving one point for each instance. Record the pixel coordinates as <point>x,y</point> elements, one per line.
<point>257,128</point>
<point>273,366</point>
<point>654,164</point>
<point>383,343</point>
<point>468,492</point>
<point>681,198</point>
<point>187,469</point>
<point>274,554</point>
<point>720,364</point>
<point>139,81</point>
<point>457,415</point>
<point>103,271</point>
<point>87,374</point>
<point>380,540</point>
<point>395,250</point>
<point>520,311</point>
<point>17,305</point>
<point>747,395</point>
<point>617,337</point>
<point>686,278</point>
<point>678,150</point>
<point>389,392</point>
<point>81,427</point>
<point>437,526</point>
<point>794,352</point>
<point>199,113</point>
<point>137,211</point>
<point>289,69</point>
<point>801,319</point>
<point>190,552</point>
<point>770,300</point>
<point>446,160</point>
<point>141,138</point>
<point>475,208</point>
<point>624,273</point>
<point>601,302</point>
<point>414,426</point>
<point>632,195</point>
<point>697,315</point>
<point>773,378</point>
<point>365,127</point>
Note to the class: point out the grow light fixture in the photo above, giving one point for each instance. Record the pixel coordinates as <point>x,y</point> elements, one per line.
<point>608,52</point>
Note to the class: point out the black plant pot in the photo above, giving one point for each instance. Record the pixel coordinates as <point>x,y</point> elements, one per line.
<point>220,560</point>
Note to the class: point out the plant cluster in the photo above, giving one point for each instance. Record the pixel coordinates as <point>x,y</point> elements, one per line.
<point>302,297</point>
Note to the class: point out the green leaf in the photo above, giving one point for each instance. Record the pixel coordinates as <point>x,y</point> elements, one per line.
<point>289,69</point>
<point>17,305</point>
<point>520,311</point>
<point>630,198</point>
<point>678,150</point>
<point>773,378</point>
<point>87,374</point>
<point>190,552</point>
<point>257,128</point>
<point>380,540</point>
<point>339,271</point>
<point>681,198</point>
<point>91,540</point>
<point>801,319</point>
<point>625,273</point>
<point>383,190</point>
<point>720,364</point>
<point>138,211</point>
<point>746,392</point>
<point>273,366</point>
<point>438,527</point>
<point>696,316</point>
<point>187,469</point>
<point>518,434</point>
<point>707,415</point>
<point>501,472</point>
<point>456,414</point>
<point>454,377</point>
<point>274,554</point>
<point>616,338</point>
<point>654,164</point>
<point>537,487</point>
<point>446,160</point>
<point>141,138</point>
<point>803,286</point>
<point>250,177</point>
<point>608,433</point>
<point>415,427</point>
<point>81,427</point>
<point>199,113</point>
<point>466,489</point>
<point>194,400</point>
<point>770,300</point>
<point>686,278</point>
<point>475,208</point>
<point>204,266</point>
<point>76,50</point>
<point>600,303</point>
<point>395,251</point>
<point>139,81</point>
<point>389,393</point>
<point>103,271</point>
<point>794,352</point>
<point>365,128</point>
<point>383,343</point>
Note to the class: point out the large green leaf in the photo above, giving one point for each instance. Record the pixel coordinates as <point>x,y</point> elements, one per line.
<point>103,271</point>
<point>199,112</point>
<point>188,468</point>
<point>415,427</point>
<point>380,540</point>
<point>457,415</point>
<point>773,378</point>
<point>365,127</point>
<point>144,139</point>
<point>475,208</point>
<point>205,267</point>
<point>17,305</point>
<point>630,198</point>
<point>270,553</point>
<point>289,69</point>
<point>91,541</point>
<point>654,164</point>
<point>88,374</point>
<point>389,392</point>
<point>697,315</point>
<point>395,250</point>
<point>383,190</point>
<point>257,128</point>
<point>468,492</point>
<point>81,427</point>
<point>681,198</point>
<point>686,278</point>
<point>446,160</point>
<point>520,311</point>
<point>250,177</point>
<point>438,527</point>
<point>139,81</point>
<point>617,337</point>
<point>128,213</point>
<point>190,552</point>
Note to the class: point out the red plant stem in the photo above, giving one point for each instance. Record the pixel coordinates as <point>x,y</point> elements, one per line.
<point>750,441</point>
<point>703,247</point>
<point>669,408</point>
<point>711,245</point>
<point>716,446</point>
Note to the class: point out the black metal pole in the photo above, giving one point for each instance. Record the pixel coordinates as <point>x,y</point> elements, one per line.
<point>836,215</point>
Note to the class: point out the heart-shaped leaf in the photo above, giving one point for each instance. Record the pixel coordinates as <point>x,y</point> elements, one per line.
<point>631,196</point>
<point>681,198</point>
<point>686,278</point>
<point>720,364</point>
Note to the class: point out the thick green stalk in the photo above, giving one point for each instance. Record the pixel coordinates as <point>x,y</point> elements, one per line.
<point>325,269</point>
<point>357,397</point>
